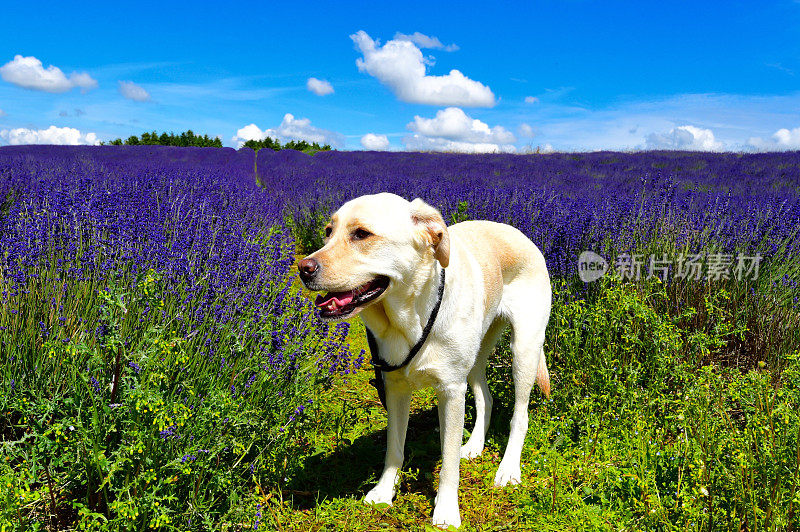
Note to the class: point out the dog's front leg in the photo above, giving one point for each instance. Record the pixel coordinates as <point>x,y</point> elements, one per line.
<point>451,424</point>
<point>398,402</point>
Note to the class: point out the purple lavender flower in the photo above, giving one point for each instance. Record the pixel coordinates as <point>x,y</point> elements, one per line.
<point>169,433</point>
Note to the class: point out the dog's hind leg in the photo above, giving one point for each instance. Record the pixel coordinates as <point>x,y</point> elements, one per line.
<point>480,389</point>
<point>528,309</point>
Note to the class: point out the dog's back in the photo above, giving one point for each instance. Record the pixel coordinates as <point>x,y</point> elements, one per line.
<point>514,274</point>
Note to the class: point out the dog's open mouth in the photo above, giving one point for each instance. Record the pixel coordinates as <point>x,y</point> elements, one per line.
<point>334,305</point>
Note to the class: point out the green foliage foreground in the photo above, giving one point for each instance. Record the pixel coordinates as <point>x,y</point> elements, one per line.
<point>177,438</point>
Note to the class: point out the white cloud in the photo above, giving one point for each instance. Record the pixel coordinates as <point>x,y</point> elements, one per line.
<point>453,130</point>
<point>132,91</point>
<point>28,73</point>
<point>526,130</point>
<point>249,132</point>
<point>787,138</point>
<point>401,66</point>
<point>547,148</point>
<point>51,135</point>
<point>684,138</point>
<point>453,123</point>
<point>291,128</point>
<point>424,41</point>
<point>374,142</point>
<point>320,87</point>
<point>83,80</point>
<point>783,139</point>
<point>531,99</point>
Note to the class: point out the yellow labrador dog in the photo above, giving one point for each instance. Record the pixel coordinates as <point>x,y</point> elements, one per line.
<point>383,258</point>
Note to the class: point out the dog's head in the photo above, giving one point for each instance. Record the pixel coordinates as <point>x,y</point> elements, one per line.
<point>373,245</point>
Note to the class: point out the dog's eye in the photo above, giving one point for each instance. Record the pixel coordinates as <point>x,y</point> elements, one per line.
<point>360,234</point>
<point>328,231</point>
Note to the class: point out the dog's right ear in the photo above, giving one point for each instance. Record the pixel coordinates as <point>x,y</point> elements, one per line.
<point>431,222</point>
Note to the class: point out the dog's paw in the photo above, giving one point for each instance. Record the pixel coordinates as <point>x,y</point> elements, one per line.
<point>471,450</point>
<point>446,514</point>
<point>507,475</point>
<point>378,495</point>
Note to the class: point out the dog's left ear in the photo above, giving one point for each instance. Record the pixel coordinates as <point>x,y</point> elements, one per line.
<point>431,222</point>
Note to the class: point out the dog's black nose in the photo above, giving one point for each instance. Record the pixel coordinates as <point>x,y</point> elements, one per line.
<point>308,269</point>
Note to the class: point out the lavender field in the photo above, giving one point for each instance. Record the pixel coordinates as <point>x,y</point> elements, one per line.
<point>160,367</point>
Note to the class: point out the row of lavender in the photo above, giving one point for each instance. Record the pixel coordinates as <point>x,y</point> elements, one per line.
<point>147,323</point>
<point>571,202</point>
<point>149,207</point>
<point>194,215</point>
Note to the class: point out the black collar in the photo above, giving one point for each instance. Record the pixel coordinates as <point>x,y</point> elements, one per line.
<point>381,365</point>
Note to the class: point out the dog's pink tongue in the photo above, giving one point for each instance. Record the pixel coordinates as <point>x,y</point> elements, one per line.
<point>341,299</point>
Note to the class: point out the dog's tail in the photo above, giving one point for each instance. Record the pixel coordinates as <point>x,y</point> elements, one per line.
<point>543,376</point>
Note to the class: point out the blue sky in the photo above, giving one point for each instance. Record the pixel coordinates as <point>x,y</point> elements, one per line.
<point>566,75</point>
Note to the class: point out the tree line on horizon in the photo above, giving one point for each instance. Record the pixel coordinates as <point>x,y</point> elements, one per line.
<point>189,138</point>
<point>185,139</point>
<point>274,144</point>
